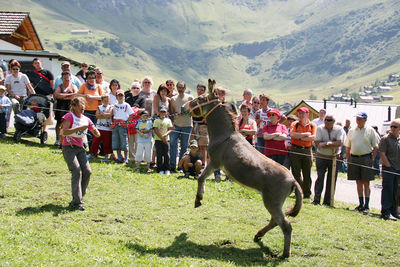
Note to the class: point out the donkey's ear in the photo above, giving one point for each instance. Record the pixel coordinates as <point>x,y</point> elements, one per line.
<point>211,87</point>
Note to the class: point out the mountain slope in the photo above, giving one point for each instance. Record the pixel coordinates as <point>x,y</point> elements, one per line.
<point>296,47</point>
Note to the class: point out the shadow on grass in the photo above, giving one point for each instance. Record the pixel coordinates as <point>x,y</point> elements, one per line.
<point>26,139</point>
<point>223,251</point>
<point>56,209</point>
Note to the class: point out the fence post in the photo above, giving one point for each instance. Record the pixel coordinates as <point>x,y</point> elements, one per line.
<point>333,178</point>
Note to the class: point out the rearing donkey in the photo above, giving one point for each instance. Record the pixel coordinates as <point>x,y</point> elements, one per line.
<point>229,151</point>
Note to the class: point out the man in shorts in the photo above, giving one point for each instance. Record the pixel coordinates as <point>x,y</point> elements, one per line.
<point>361,149</point>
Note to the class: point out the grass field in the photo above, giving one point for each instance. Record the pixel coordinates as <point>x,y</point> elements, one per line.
<point>147,220</point>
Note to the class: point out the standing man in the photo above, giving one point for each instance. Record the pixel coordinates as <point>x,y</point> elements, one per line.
<point>42,80</point>
<point>303,135</point>
<point>99,80</point>
<point>361,149</point>
<point>183,124</point>
<point>200,132</point>
<point>389,147</point>
<point>66,67</point>
<point>329,139</point>
<point>320,120</point>
<point>261,119</point>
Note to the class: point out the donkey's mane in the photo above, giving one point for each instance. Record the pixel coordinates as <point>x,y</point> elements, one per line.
<point>232,117</point>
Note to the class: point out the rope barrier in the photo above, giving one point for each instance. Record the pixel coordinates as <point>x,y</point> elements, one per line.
<point>275,149</point>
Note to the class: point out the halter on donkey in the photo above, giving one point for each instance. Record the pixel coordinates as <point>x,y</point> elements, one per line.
<point>230,151</point>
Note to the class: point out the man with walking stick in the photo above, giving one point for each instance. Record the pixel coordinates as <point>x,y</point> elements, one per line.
<point>329,139</point>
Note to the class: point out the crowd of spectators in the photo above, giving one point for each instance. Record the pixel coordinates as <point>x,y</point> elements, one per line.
<point>143,124</point>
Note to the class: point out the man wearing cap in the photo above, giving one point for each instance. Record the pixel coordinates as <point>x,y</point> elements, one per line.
<point>361,149</point>
<point>5,105</point>
<point>303,135</point>
<point>389,147</point>
<point>275,135</point>
<point>66,66</point>
<point>329,139</point>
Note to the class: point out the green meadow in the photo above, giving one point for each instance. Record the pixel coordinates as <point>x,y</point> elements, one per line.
<point>149,220</point>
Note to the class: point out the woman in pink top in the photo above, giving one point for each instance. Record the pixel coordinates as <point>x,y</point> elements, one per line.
<point>75,126</point>
<point>275,135</point>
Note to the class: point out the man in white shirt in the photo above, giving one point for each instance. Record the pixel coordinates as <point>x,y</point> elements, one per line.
<point>320,120</point>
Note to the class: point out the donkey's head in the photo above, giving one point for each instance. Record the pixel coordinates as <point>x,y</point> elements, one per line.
<point>204,104</point>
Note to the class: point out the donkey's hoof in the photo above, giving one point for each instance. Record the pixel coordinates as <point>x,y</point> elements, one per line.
<point>257,238</point>
<point>197,203</point>
<point>285,256</point>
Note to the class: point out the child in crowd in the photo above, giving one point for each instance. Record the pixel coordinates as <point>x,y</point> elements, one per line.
<point>34,105</point>
<point>5,105</point>
<point>162,128</point>
<point>191,161</point>
<point>103,114</point>
<point>144,128</point>
<point>122,113</point>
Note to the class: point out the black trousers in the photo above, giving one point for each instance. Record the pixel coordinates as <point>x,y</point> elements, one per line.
<point>3,123</point>
<point>322,166</point>
<point>162,152</point>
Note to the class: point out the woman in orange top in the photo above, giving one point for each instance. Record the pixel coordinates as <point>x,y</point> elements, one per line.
<point>92,93</point>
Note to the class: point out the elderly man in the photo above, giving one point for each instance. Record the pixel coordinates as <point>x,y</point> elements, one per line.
<point>303,135</point>
<point>100,81</point>
<point>329,139</point>
<point>66,67</point>
<point>389,148</point>
<point>361,149</point>
<point>183,125</point>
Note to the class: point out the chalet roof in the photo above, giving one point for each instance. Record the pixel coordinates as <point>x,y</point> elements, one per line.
<point>17,28</point>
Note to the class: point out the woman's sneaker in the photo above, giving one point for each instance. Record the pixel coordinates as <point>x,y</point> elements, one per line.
<point>167,172</point>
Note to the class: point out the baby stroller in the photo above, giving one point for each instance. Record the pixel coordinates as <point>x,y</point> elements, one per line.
<point>30,121</point>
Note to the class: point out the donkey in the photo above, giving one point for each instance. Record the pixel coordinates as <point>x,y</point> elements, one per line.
<point>230,151</point>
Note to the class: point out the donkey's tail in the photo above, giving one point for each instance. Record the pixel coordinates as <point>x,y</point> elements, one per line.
<point>299,200</point>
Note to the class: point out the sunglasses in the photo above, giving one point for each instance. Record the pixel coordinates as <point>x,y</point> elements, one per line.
<point>99,73</point>
<point>256,102</point>
<point>180,87</point>
<point>84,66</point>
<point>394,126</point>
<point>146,82</point>
<point>170,84</point>
<point>329,120</point>
<point>15,68</point>
<point>135,88</point>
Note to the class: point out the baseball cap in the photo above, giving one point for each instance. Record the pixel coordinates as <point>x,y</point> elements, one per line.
<point>144,113</point>
<point>65,63</point>
<point>2,87</point>
<point>119,92</point>
<point>193,143</point>
<point>362,115</point>
<point>163,109</point>
<point>303,109</point>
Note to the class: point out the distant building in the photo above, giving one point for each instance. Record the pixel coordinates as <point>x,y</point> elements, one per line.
<point>384,89</point>
<point>81,32</point>
<point>19,40</point>
<point>386,97</point>
<point>366,99</point>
